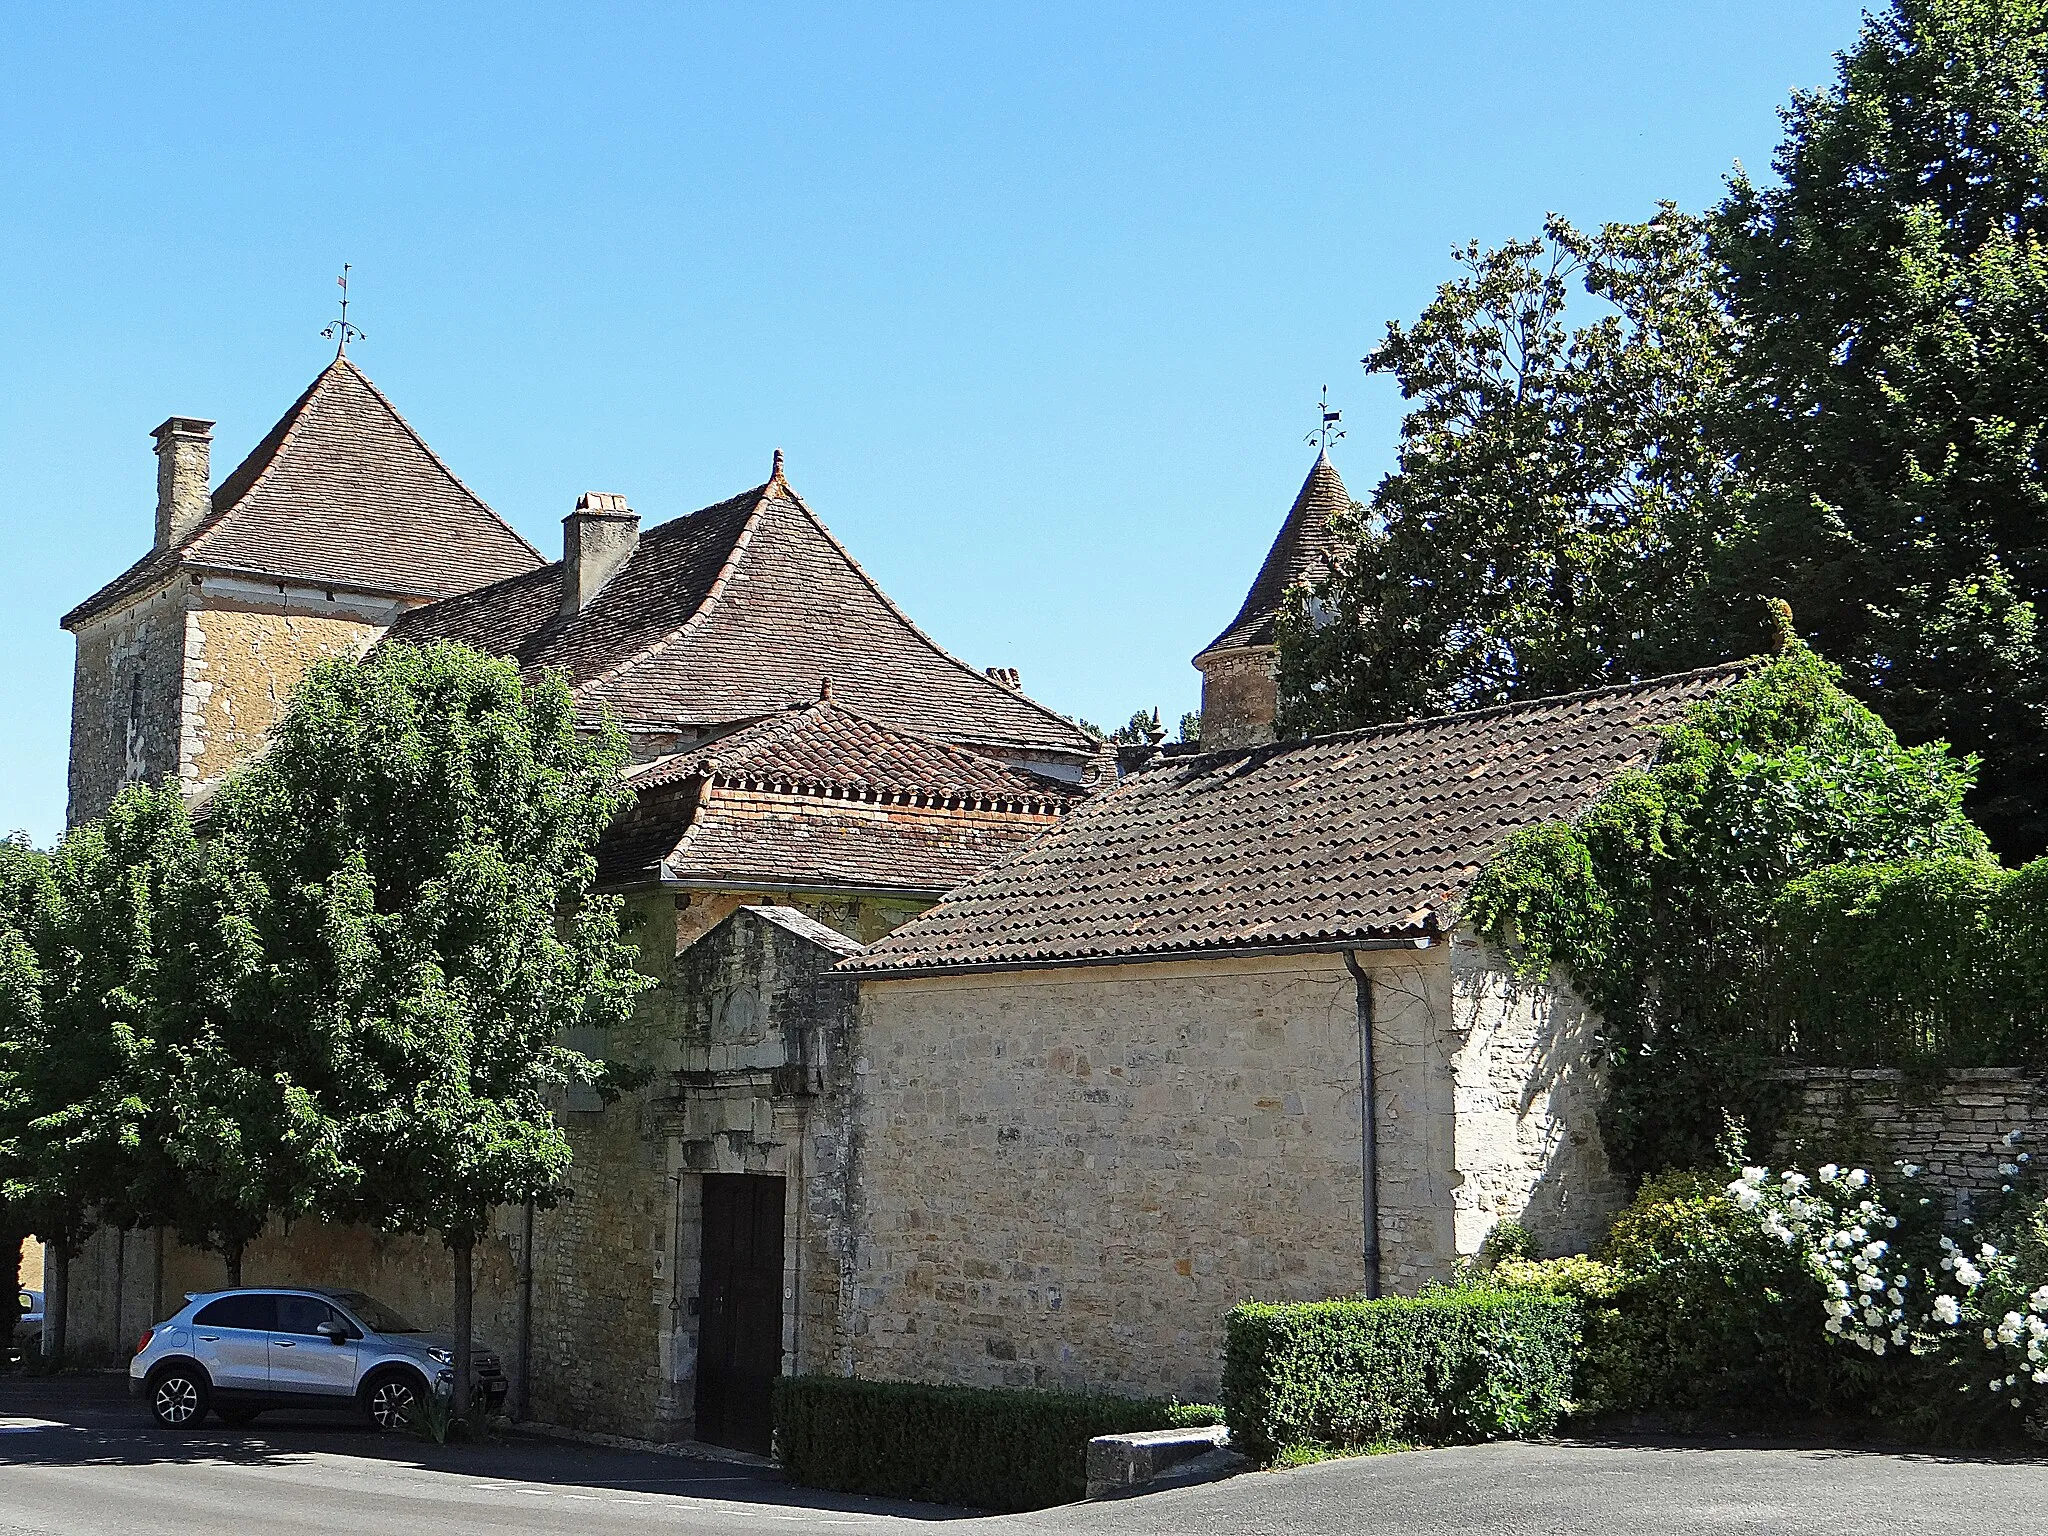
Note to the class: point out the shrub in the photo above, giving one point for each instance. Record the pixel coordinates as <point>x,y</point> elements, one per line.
<point>1507,1242</point>
<point>1711,1315</point>
<point>1450,1365</point>
<point>989,1449</point>
<point>1584,1280</point>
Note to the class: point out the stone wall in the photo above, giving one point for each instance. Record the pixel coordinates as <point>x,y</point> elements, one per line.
<point>1953,1126</point>
<point>1529,1088</point>
<point>1240,697</point>
<point>241,665</point>
<point>126,699</point>
<point>1067,1177</point>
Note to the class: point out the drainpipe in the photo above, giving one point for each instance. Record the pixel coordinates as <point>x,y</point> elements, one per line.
<point>1368,1124</point>
<point>524,1410</point>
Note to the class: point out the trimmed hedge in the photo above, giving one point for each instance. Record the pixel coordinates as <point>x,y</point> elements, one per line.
<point>1448,1365</point>
<point>988,1449</point>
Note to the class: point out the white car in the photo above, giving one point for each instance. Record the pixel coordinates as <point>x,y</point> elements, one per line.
<point>240,1352</point>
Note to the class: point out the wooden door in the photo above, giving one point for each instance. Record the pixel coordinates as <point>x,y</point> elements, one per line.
<point>739,1342</point>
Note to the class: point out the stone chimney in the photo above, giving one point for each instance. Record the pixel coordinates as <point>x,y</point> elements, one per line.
<point>597,538</point>
<point>184,454</point>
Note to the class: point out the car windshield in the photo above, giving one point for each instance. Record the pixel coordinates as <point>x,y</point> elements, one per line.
<point>373,1314</point>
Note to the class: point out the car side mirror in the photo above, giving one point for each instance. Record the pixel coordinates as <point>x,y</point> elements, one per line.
<point>334,1333</point>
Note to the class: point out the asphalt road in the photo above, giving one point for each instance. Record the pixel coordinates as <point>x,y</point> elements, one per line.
<point>76,1457</point>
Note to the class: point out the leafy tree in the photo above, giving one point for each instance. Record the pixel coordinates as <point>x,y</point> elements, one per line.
<point>1560,491</point>
<point>1659,898</point>
<point>1892,289</point>
<point>425,825</point>
<point>235,1134</point>
<point>22,870</point>
<point>1191,728</point>
<point>75,1015</point>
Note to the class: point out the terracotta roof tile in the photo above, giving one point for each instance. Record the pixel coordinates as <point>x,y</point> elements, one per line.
<point>341,492</point>
<point>735,612</point>
<point>822,797</point>
<point>1364,834</point>
<point>1300,552</point>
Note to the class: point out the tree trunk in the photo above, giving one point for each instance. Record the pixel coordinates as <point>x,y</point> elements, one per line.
<point>463,1298</point>
<point>232,1257</point>
<point>56,1297</point>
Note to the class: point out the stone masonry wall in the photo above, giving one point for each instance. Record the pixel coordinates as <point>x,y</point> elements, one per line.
<point>126,692</point>
<point>1240,697</point>
<point>1953,1127</point>
<point>1067,1177</point>
<point>241,665</point>
<point>1529,1088</point>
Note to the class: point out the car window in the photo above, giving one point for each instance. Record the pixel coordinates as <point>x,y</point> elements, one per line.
<point>239,1311</point>
<point>374,1313</point>
<point>304,1314</point>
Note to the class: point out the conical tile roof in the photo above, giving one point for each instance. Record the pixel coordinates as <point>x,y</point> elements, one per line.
<point>1300,553</point>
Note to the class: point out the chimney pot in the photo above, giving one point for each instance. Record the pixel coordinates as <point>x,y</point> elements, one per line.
<point>597,538</point>
<point>184,452</point>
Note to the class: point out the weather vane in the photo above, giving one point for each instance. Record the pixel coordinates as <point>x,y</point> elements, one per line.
<point>1327,431</point>
<point>341,333</point>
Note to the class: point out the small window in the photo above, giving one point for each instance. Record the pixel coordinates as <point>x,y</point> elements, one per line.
<point>304,1315</point>
<point>239,1311</point>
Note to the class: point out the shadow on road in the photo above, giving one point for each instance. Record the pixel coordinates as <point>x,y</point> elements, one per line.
<point>89,1421</point>
<point>1826,1443</point>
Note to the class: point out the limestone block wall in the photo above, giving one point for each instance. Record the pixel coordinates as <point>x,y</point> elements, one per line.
<point>1953,1126</point>
<point>242,663</point>
<point>1066,1177</point>
<point>1526,1059</point>
<point>126,699</point>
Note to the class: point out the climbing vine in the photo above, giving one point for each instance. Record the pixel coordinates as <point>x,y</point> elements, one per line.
<point>1662,900</point>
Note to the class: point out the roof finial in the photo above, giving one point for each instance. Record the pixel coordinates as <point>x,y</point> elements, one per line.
<point>824,689</point>
<point>341,333</point>
<point>1326,431</point>
<point>775,473</point>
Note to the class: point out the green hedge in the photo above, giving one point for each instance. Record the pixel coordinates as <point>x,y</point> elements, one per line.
<point>1000,1450</point>
<point>1445,1366</point>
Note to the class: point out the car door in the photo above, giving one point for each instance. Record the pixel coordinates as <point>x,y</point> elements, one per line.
<point>305,1362</point>
<point>231,1338</point>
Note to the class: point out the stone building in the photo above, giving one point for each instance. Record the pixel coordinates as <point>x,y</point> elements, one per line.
<point>810,769</point>
<point>1113,1086</point>
<point>969,1060</point>
<point>338,521</point>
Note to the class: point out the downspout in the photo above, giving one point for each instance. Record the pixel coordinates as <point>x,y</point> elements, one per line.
<point>1368,1124</point>
<point>525,1404</point>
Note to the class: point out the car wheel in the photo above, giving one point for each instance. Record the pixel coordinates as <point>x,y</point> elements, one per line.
<point>178,1396</point>
<point>388,1400</point>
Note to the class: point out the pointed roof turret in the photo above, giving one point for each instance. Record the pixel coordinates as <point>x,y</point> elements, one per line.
<point>1300,553</point>
<point>342,493</point>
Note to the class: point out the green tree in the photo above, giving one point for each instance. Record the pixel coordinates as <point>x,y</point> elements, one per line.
<point>425,825</point>
<point>1560,492</point>
<point>76,1014</point>
<point>22,871</point>
<point>1892,289</point>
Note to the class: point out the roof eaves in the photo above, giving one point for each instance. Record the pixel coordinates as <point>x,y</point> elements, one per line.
<point>874,967</point>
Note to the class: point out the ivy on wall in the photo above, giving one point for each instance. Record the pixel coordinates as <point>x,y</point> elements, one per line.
<point>1661,901</point>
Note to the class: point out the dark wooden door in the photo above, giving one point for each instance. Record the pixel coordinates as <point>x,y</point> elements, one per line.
<point>739,1342</point>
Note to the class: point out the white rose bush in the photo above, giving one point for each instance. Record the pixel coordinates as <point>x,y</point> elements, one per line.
<point>1890,1282</point>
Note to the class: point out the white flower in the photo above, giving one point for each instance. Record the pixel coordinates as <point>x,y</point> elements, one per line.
<point>1834,1325</point>
<point>1987,1253</point>
<point>1948,1309</point>
<point>2008,1169</point>
<point>2014,1137</point>
<point>1755,1175</point>
<point>1794,1180</point>
<point>1828,1173</point>
<point>1969,1274</point>
<point>1910,1170</point>
<point>1898,1335</point>
<point>1857,1178</point>
<point>1745,1195</point>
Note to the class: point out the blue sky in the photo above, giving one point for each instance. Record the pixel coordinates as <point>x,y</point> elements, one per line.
<point>1037,300</point>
